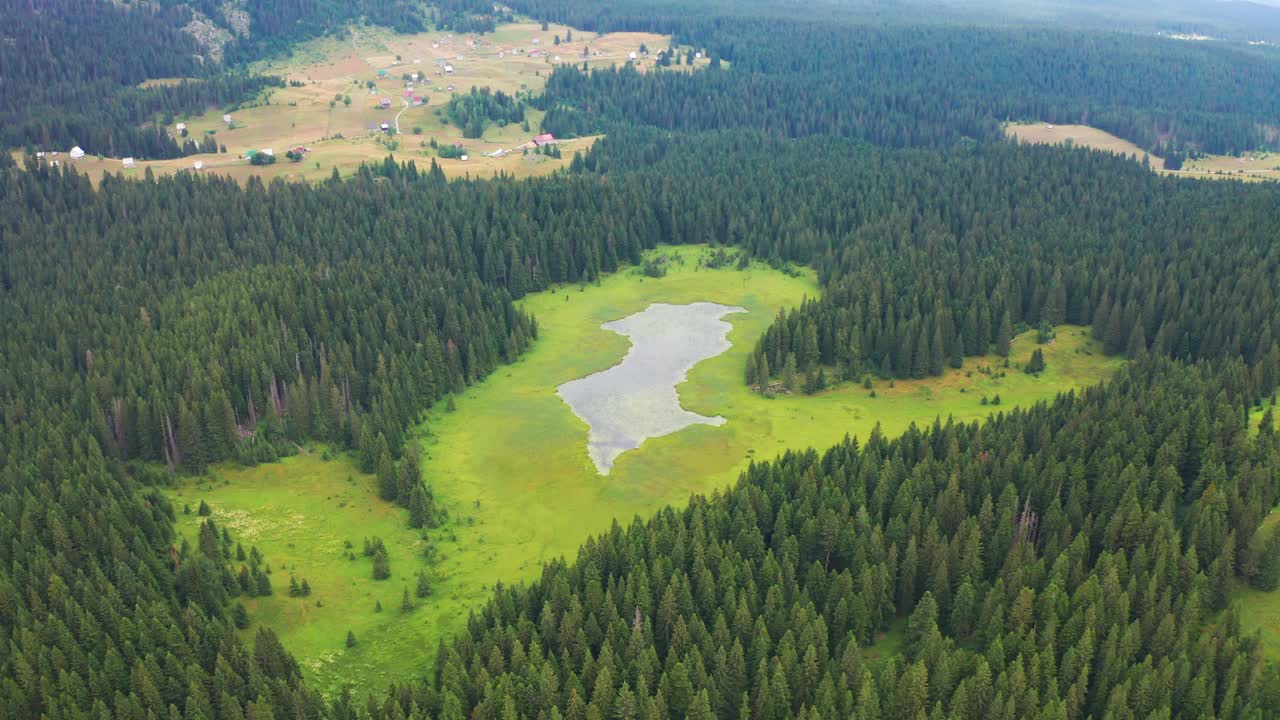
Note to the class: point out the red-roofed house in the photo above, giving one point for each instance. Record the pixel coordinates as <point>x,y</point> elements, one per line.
<point>544,139</point>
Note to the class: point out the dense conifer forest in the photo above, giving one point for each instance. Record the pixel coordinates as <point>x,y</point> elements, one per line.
<point>1068,560</point>
<point>911,86</point>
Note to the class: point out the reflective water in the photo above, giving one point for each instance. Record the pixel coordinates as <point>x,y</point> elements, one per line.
<point>636,399</point>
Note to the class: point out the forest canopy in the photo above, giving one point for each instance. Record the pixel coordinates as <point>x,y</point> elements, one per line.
<point>1071,559</point>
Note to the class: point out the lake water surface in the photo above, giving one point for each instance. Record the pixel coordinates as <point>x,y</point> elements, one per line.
<point>636,399</point>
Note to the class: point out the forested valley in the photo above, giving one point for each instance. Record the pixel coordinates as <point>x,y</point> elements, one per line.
<point>1070,559</point>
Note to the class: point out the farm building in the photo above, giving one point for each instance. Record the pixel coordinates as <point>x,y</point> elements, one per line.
<point>226,119</point>
<point>180,127</point>
<point>417,101</point>
<point>448,68</point>
<point>76,153</point>
<point>382,73</point>
<point>198,165</point>
<point>697,56</point>
<point>268,152</point>
<point>385,103</point>
<point>544,139</point>
<point>465,158</point>
<point>632,55</point>
<point>127,162</point>
<point>386,127</point>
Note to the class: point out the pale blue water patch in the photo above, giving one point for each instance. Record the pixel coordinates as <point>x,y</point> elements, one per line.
<point>636,399</point>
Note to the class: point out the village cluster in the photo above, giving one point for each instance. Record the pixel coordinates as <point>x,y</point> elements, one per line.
<point>403,84</point>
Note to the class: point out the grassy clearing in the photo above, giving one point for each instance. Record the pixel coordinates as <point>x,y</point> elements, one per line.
<point>300,513</point>
<point>510,463</point>
<point>344,136</point>
<point>1260,609</point>
<point>1249,166</point>
<point>1079,135</point>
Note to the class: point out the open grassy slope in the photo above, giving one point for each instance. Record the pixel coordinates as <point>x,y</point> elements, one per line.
<point>1249,166</point>
<point>517,57</point>
<point>300,513</point>
<point>510,464</point>
<point>1260,609</point>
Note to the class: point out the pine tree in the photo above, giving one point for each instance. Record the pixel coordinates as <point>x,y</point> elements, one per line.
<point>1036,363</point>
<point>351,639</point>
<point>190,442</point>
<point>1004,335</point>
<point>381,566</point>
<point>388,482</point>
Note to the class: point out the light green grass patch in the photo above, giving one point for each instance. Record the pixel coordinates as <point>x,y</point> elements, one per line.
<point>300,513</point>
<point>1259,610</point>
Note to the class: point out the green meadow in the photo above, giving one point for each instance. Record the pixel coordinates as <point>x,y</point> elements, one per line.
<point>1259,610</point>
<point>510,464</point>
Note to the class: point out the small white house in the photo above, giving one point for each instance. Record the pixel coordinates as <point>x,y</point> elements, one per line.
<point>631,55</point>
<point>198,165</point>
<point>448,69</point>
<point>386,127</point>
<point>127,162</point>
<point>465,158</point>
<point>226,119</point>
<point>697,56</point>
<point>268,151</point>
<point>181,126</point>
<point>76,153</point>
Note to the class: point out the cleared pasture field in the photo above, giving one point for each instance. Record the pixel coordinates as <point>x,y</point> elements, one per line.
<point>1248,167</point>
<point>1082,136</point>
<point>516,58</point>
<point>510,463</point>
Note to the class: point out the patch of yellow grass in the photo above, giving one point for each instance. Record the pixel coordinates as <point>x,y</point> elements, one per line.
<point>1079,135</point>
<point>1249,166</point>
<point>162,82</point>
